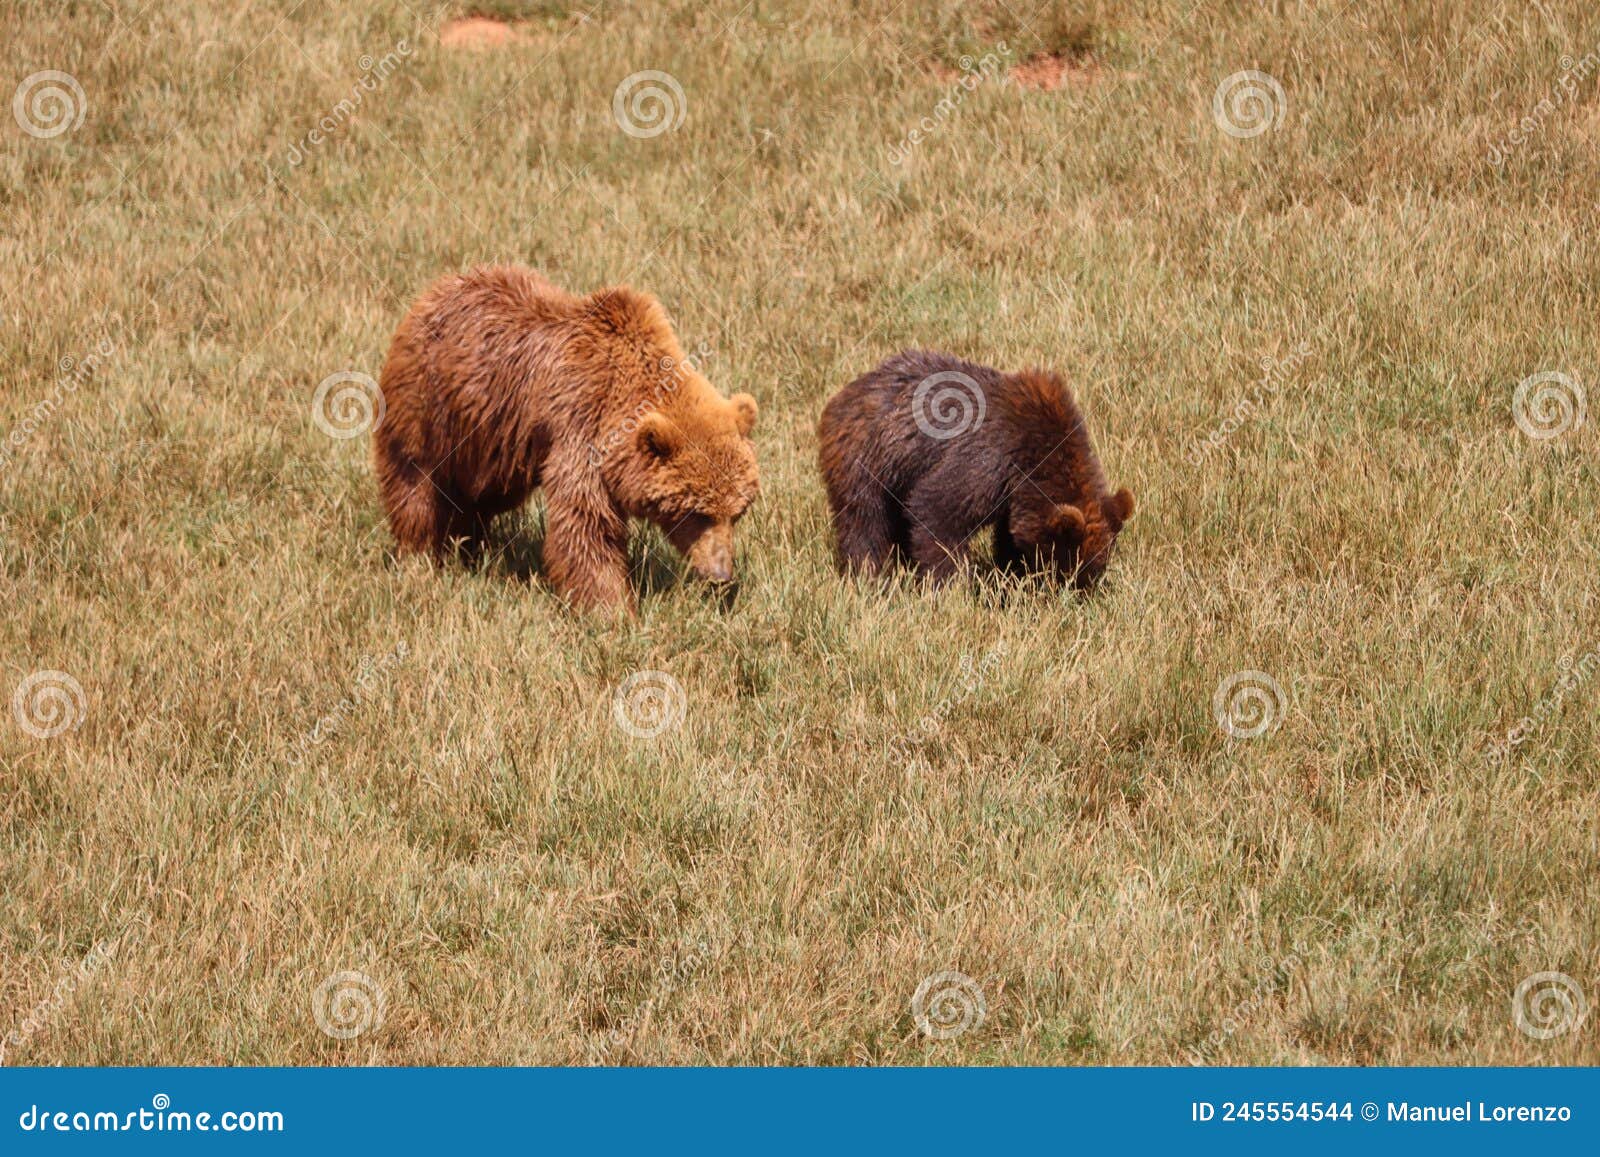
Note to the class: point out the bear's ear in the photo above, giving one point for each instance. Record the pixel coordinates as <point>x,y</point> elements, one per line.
<point>1120,506</point>
<point>1067,520</point>
<point>744,412</point>
<point>656,436</point>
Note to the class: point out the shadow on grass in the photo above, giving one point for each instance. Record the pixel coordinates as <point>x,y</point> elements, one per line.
<point>516,548</point>
<point>990,585</point>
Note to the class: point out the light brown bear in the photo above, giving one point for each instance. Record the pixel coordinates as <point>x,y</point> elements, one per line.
<point>498,382</point>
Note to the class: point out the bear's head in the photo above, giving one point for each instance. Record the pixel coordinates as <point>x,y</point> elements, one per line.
<point>692,472</point>
<point>1073,538</point>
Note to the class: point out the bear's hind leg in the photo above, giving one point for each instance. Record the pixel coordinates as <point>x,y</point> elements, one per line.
<point>419,516</point>
<point>866,535</point>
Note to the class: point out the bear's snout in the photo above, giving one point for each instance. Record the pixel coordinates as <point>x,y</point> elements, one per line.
<point>709,550</point>
<point>715,562</point>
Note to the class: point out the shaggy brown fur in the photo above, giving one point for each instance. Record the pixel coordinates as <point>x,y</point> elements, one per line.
<point>498,382</point>
<point>915,467</point>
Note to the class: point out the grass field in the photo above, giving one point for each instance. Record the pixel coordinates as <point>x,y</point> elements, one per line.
<point>311,804</point>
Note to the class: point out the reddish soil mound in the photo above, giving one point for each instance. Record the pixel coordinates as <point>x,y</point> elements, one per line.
<point>478,33</point>
<point>1049,71</point>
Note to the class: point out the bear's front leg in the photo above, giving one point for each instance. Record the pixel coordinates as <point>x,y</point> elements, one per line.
<point>1008,556</point>
<point>939,554</point>
<point>586,541</point>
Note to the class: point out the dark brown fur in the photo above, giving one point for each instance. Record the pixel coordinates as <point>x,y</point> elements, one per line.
<point>901,491</point>
<point>498,382</point>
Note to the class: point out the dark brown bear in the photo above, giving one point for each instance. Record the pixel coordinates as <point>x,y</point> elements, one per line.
<point>926,450</point>
<point>498,382</point>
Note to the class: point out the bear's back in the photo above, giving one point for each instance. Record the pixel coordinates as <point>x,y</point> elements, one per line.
<point>890,417</point>
<point>493,295</point>
<point>1047,436</point>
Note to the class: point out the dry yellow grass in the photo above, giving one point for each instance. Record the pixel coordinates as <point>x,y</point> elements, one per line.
<point>766,881</point>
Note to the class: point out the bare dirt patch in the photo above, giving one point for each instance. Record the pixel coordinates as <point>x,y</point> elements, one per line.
<point>1049,71</point>
<point>479,33</point>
